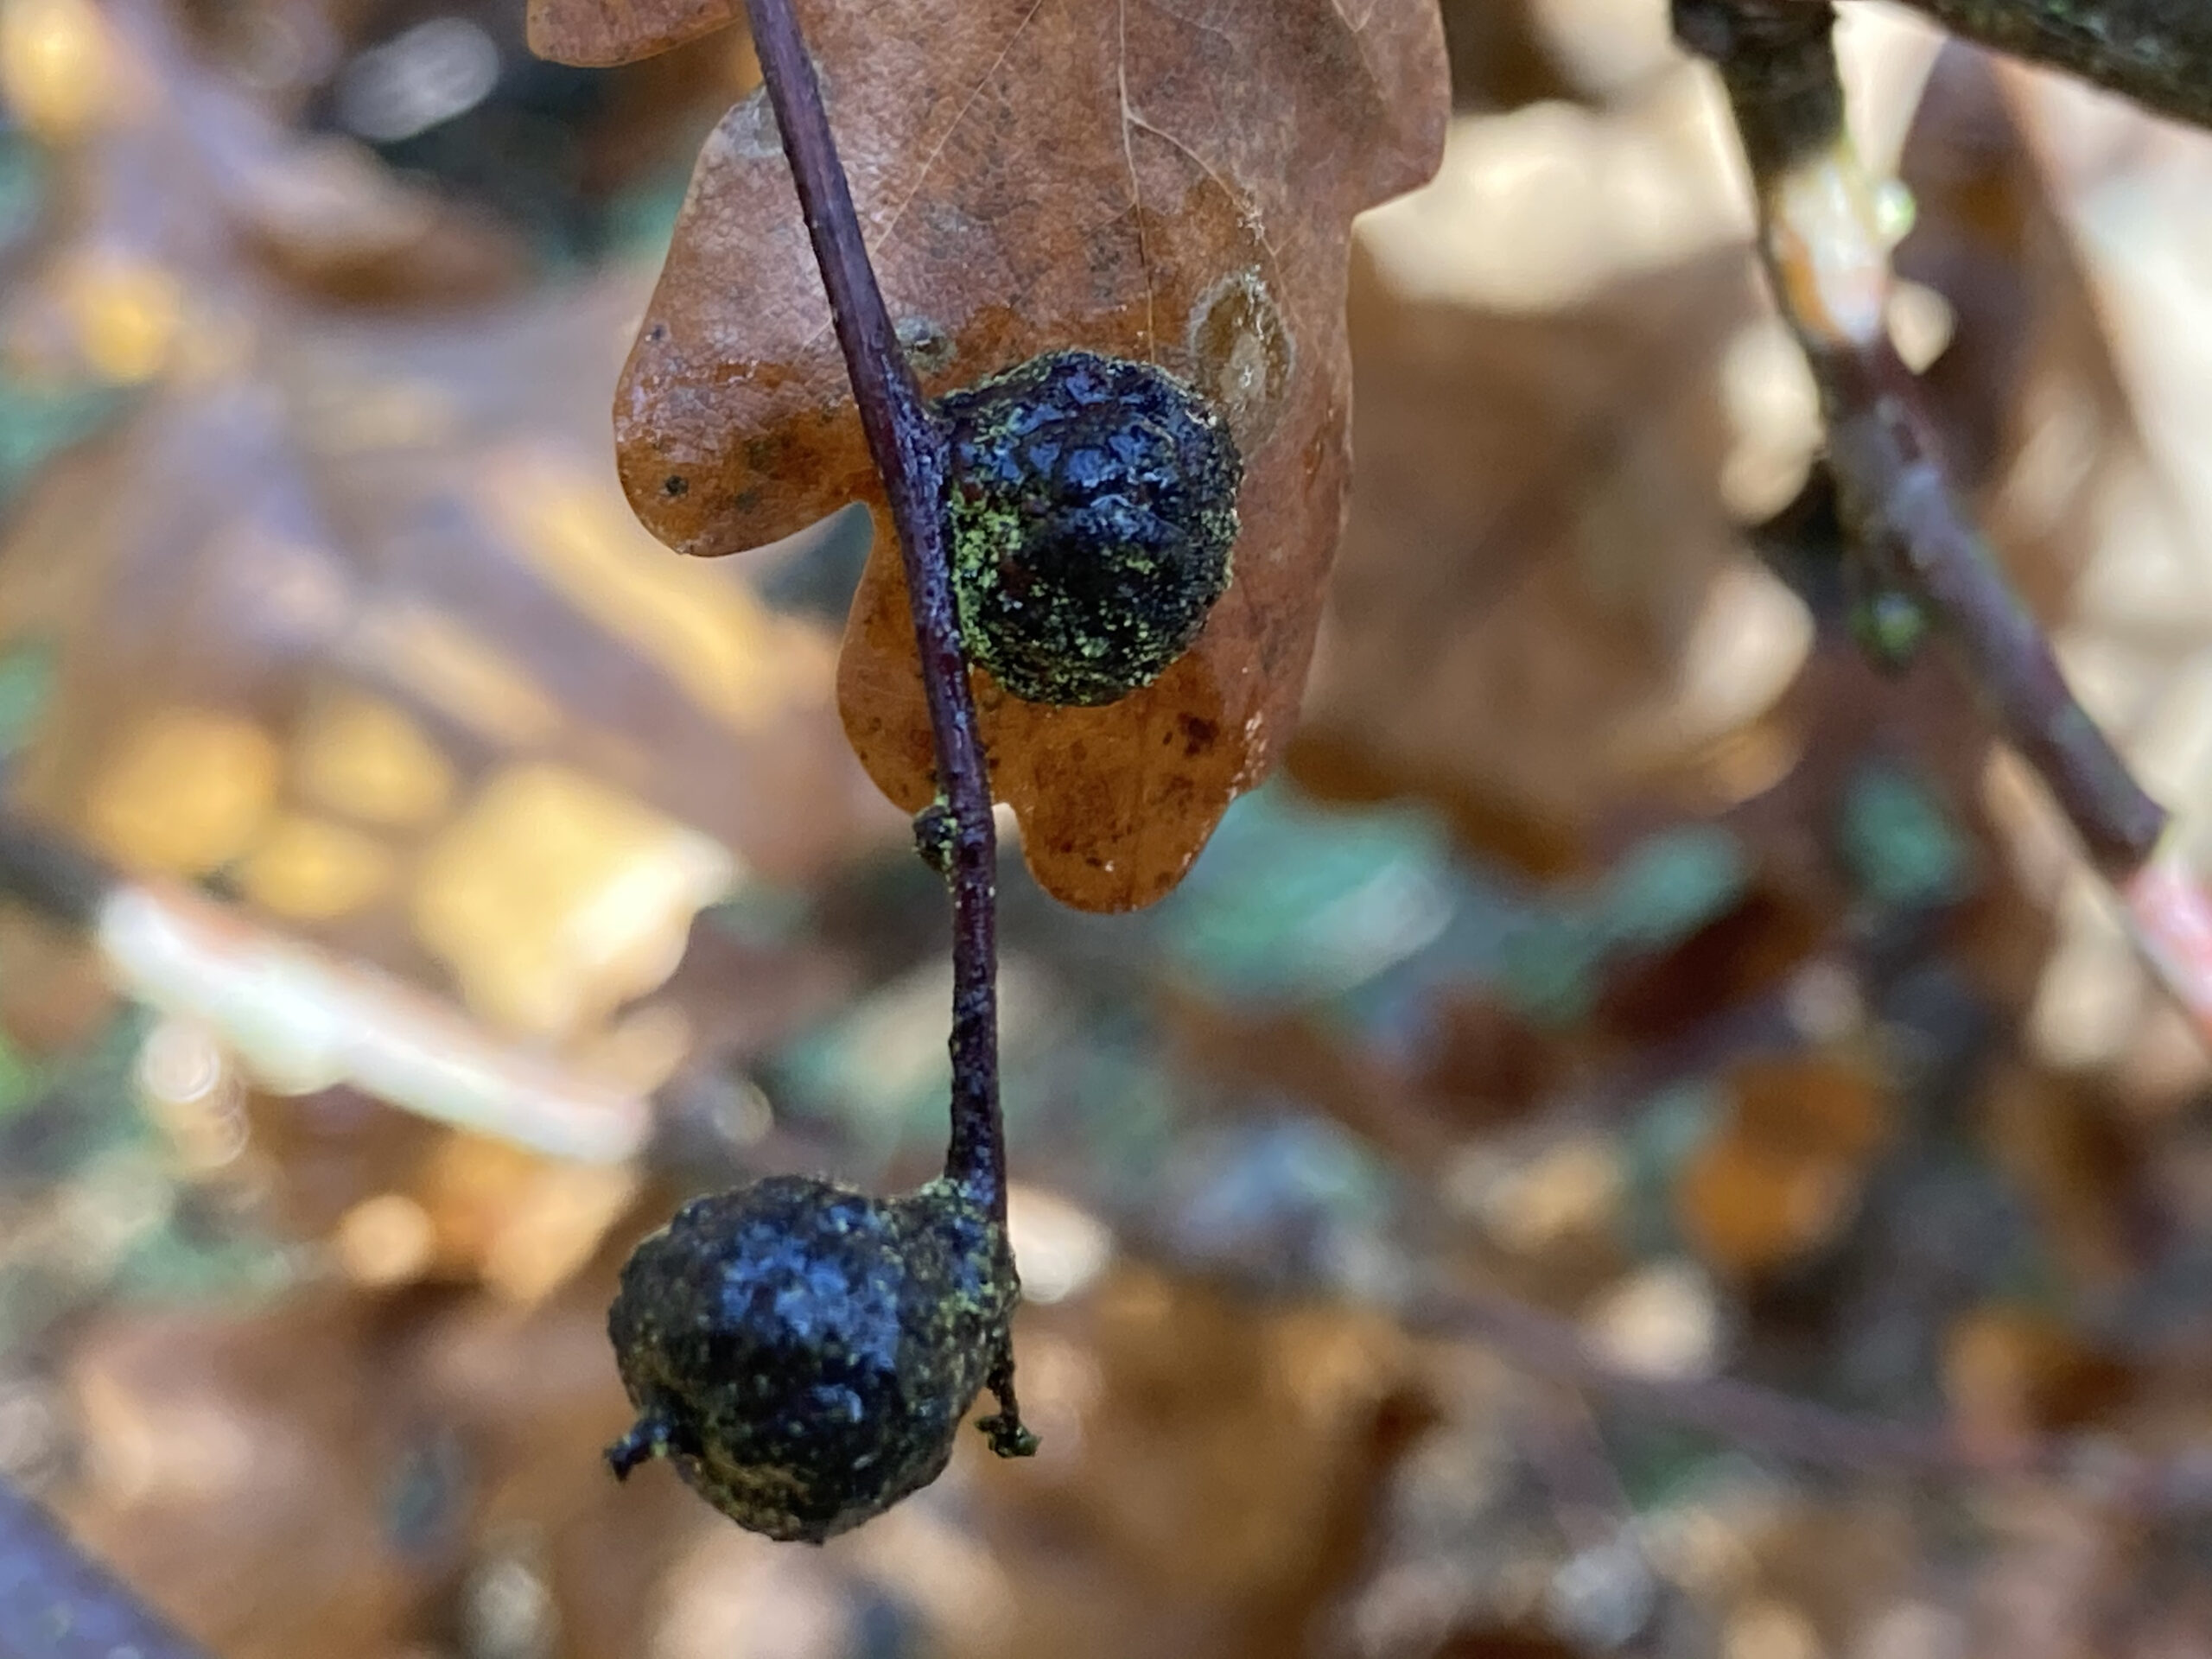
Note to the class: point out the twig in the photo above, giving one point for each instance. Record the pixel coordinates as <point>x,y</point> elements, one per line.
<point>1828,257</point>
<point>911,452</point>
<point>56,1604</point>
<point>1741,1413</point>
<point>1804,1432</point>
<point>1824,247</point>
<point>1881,439</point>
<point>2156,52</point>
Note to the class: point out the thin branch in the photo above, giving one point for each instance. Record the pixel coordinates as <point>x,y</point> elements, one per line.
<point>1881,439</point>
<point>911,452</point>
<point>1793,1430</point>
<point>1828,256</point>
<point>1741,1413</point>
<point>2156,52</point>
<point>1822,239</point>
<point>56,1602</point>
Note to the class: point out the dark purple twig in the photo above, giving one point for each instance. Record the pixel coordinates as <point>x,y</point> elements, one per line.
<point>1881,441</point>
<point>1829,271</point>
<point>910,451</point>
<point>57,1604</point>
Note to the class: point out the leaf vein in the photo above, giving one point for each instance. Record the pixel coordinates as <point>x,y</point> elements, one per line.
<point>982,85</point>
<point>1129,121</point>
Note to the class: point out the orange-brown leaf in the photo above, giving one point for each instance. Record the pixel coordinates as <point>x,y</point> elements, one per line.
<point>1166,181</point>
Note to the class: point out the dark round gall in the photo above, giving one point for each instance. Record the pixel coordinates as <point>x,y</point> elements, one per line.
<point>803,1353</point>
<point>1091,507</point>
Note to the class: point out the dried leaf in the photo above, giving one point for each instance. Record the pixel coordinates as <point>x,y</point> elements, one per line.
<point>332,1475</point>
<point>311,869</point>
<point>334,578</point>
<point>1749,1210</point>
<point>1129,178</point>
<point>300,1022</point>
<point>1147,1522</point>
<point>1786,1171</point>
<point>554,899</point>
<point>176,200</point>
<point>1533,575</point>
<point>189,790</point>
<point>2035,413</point>
<point>2013,1374</point>
<point>239,1488</point>
<point>600,31</point>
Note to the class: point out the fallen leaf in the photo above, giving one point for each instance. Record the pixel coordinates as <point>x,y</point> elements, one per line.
<point>1499,58</point>
<point>1146,1525</point>
<point>1787,1170</point>
<point>186,792</point>
<point>553,898</point>
<point>2037,413</point>
<point>368,759</point>
<point>176,198</point>
<point>312,869</point>
<point>236,1469</point>
<point>2013,1374</point>
<point>1749,1210</point>
<point>335,575</point>
<point>1133,180</point>
<point>301,1021</point>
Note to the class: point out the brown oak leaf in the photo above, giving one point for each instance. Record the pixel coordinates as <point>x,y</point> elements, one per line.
<point>1170,180</point>
<point>601,33</point>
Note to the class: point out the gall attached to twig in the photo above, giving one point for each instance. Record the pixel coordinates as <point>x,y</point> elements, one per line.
<point>1091,507</point>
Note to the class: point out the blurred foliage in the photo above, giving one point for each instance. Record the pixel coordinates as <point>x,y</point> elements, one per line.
<point>1622,943</point>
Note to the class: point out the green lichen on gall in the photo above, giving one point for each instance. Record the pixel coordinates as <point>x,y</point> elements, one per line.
<point>1091,505</point>
<point>802,1353</point>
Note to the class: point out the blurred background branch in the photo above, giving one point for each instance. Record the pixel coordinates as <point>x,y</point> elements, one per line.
<point>1826,254</point>
<point>2157,51</point>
